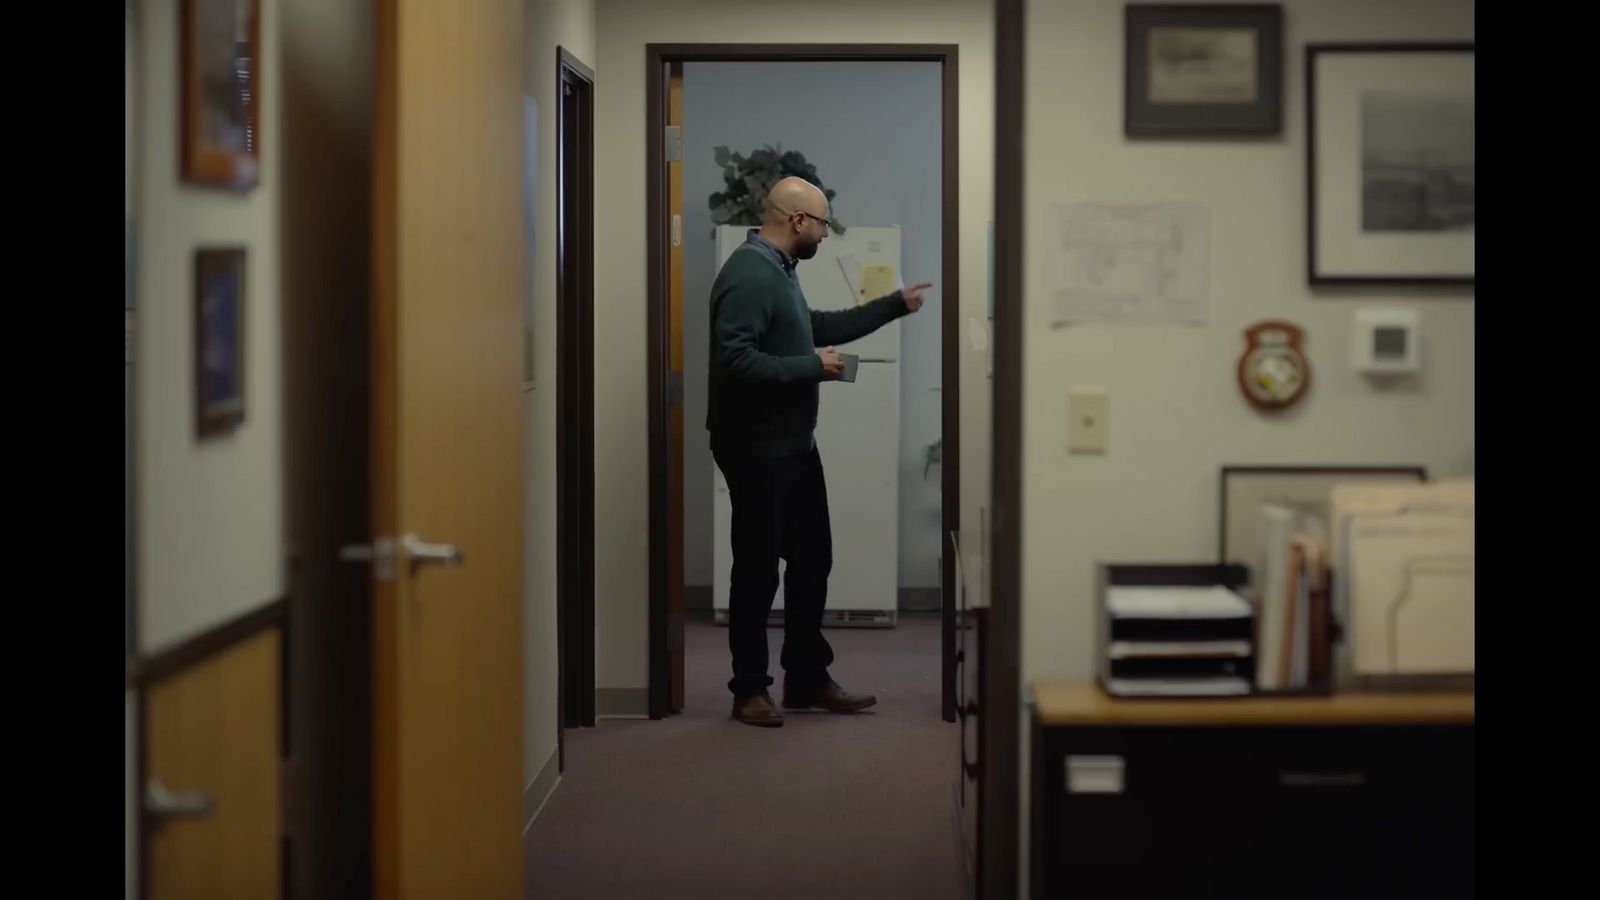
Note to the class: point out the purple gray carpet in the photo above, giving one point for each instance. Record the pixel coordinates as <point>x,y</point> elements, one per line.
<point>827,807</point>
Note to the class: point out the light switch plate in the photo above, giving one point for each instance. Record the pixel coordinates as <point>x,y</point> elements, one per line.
<point>1087,421</point>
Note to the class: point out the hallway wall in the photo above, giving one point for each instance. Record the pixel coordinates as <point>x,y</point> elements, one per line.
<point>210,519</point>
<point>1153,496</point>
<point>624,28</point>
<point>1175,413</point>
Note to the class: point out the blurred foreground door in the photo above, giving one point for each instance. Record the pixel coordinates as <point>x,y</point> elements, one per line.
<point>447,450</point>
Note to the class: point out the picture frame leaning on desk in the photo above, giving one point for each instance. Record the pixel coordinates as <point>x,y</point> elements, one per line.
<point>1243,491</point>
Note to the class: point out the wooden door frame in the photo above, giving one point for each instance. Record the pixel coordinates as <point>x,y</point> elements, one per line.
<point>1000,731</point>
<point>575,406</point>
<point>657,56</point>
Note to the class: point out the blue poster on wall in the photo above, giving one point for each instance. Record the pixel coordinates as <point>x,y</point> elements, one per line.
<point>220,386</point>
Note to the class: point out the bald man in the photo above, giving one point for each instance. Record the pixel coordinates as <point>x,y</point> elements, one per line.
<point>765,368</point>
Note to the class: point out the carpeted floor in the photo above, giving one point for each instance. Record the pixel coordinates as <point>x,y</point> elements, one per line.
<point>827,807</point>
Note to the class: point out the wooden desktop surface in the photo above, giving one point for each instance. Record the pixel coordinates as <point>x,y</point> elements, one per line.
<point>1085,703</point>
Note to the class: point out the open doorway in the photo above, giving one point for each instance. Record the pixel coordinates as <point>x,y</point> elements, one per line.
<point>574,141</point>
<point>916,236</point>
<point>619,826</point>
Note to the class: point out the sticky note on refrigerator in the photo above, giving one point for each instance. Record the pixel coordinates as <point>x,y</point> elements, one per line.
<point>877,280</point>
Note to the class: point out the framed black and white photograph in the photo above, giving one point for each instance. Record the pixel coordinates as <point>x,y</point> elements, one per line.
<point>1391,177</point>
<point>1203,71</point>
<point>219,279</point>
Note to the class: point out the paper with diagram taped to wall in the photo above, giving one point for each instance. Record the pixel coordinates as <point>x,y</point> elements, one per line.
<point>1138,263</point>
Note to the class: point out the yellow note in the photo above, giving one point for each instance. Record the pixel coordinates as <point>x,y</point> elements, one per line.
<point>877,281</point>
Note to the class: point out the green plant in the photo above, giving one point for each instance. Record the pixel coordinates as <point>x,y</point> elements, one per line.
<point>749,178</point>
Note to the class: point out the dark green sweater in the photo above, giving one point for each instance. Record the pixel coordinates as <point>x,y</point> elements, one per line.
<point>762,396</point>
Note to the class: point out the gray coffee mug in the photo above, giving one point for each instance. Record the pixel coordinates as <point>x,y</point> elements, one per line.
<point>851,360</point>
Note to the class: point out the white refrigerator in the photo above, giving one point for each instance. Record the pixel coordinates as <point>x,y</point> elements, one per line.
<point>858,436</point>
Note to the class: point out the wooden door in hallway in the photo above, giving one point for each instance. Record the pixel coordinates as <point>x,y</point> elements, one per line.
<point>212,728</point>
<point>447,327</point>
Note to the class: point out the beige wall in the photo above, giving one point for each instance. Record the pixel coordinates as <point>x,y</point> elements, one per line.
<point>1175,414</point>
<point>547,24</point>
<point>625,26</point>
<point>210,518</point>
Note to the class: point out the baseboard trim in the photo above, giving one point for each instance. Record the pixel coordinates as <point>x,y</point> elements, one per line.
<point>540,790</point>
<point>622,703</point>
<point>921,599</point>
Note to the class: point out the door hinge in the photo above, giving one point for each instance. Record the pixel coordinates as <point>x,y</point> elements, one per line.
<point>677,230</point>
<point>674,143</point>
<point>675,632</point>
<point>674,389</point>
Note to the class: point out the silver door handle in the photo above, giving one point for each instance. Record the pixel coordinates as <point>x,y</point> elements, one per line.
<point>420,551</point>
<point>163,803</point>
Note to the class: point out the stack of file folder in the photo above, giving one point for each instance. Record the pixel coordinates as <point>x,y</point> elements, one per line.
<point>1289,586</point>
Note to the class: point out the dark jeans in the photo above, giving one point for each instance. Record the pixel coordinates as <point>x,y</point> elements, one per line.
<point>780,509</point>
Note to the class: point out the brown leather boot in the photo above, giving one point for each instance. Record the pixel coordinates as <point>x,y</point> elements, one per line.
<point>830,697</point>
<point>758,710</point>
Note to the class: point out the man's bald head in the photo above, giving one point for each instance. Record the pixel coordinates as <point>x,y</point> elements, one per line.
<point>796,217</point>
<point>794,195</point>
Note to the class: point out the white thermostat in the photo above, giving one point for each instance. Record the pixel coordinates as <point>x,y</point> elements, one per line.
<point>1387,342</point>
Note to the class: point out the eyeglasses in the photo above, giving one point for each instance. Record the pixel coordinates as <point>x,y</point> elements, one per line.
<point>826,223</point>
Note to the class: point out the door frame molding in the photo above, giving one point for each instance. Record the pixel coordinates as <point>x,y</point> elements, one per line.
<point>657,56</point>
<point>575,608</point>
<point>999,722</point>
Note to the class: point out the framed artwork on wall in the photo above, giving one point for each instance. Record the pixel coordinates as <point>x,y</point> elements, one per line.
<point>1245,488</point>
<point>219,310</point>
<point>221,97</point>
<point>1195,70</point>
<point>1390,176</point>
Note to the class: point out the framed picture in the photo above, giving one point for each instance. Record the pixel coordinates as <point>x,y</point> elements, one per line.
<point>1390,176</point>
<point>1245,488</point>
<point>1203,71</point>
<point>221,102</point>
<point>219,297</point>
